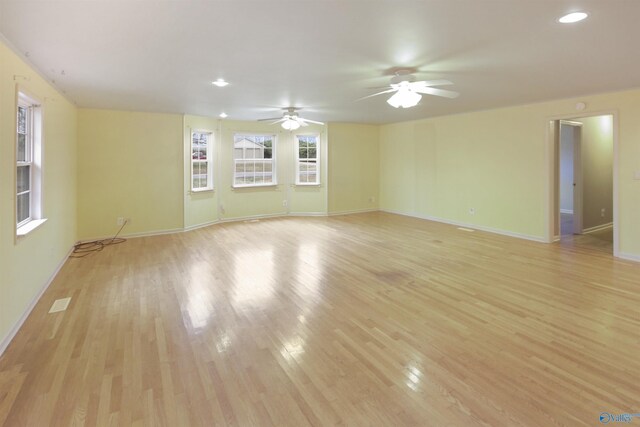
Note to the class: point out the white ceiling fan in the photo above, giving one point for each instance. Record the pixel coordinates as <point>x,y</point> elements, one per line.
<point>291,120</point>
<point>408,91</point>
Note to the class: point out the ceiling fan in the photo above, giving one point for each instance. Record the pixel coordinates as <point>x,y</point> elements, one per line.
<point>290,119</point>
<point>409,91</point>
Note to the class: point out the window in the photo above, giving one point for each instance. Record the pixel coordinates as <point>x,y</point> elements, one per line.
<point>307,160</point>
<point>28,164</point>
<point>201,161</point>
<point>253,160</point>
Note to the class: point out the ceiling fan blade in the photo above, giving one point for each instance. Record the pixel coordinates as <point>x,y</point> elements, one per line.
<point>278,121</point>
<point>312,121</point>
<point>437,92</point>
<point>376,94</point>
<point>273,118</point>
<point>303,122</point>
<point>431,83</point>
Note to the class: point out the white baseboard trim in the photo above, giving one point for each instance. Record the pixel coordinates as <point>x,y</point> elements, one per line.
<point>226,220</point>
<point>307,214</point>
<point>4,343</point>
<point>597,228</point>
<point>204,224</point>
<point>629,257</point>
<point>135,235</point>
<point>353,211</point>
<point>472,226</point>
<point>566,211</point>
<point>250,217</point>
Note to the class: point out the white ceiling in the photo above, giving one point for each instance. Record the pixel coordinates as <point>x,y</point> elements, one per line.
<point>323,55</point>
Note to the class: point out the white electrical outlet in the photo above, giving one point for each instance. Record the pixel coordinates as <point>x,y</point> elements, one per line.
<point>472,211</point>
<point>120,220</point>
<point>602,212</point>
<point>284,203</point>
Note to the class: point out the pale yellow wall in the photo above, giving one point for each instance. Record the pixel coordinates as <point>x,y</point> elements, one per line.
<point>498,162</point>
<point>353,167</point>
<point>257,201</point>
<point>597,170</point>
<point>200,207</point>
<point>27,264</point>
<point>131,165</point>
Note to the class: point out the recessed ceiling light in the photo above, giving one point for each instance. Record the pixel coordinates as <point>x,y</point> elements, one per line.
<point>220,83</point>
<point>573,17</point>
<point>223,115</point>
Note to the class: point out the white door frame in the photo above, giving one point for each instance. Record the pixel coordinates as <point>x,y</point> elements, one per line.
<point>552,191</point>
<point>577,175</point>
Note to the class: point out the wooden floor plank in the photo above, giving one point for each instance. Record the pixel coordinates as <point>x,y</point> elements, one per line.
<point>367,319</point>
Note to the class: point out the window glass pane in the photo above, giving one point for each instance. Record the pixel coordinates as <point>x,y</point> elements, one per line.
<point>253,155</point>
<point>312,172</point>
<point>307,159</point>
<point>200,145</point>
<point>199,153</point>
<point>23,179</point>
<point>22,120</point>
<point>22,148</point>
<point>200,174</point>
<point>22,207</point>
<point>313,151</point>
<point>239,172</point>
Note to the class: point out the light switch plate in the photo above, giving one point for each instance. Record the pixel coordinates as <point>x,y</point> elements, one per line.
<point>636,175</point>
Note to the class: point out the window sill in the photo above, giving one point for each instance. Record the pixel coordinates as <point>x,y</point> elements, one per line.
<point>235,187</point>
<point>310,184</point>
<point>201,190</point>
<point>29,227</point>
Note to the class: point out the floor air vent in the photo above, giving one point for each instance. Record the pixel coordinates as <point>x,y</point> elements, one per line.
<point>60,305</point>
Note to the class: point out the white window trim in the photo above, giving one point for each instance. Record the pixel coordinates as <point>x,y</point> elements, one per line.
<point>274,183</point>
<point>297,160</point>
<point>210,186</point>
<point>30,226</point>
<point>36,212</point>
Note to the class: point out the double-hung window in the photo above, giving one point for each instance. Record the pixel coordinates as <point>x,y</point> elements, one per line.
<point>28,164</point>
<point>201,161</point>
<point>307,159</point>
<point>254,160</point>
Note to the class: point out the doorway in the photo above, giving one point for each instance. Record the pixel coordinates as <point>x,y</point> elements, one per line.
<point>584,182</point>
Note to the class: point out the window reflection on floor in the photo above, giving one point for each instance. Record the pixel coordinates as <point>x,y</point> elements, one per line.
<point>253,278</point>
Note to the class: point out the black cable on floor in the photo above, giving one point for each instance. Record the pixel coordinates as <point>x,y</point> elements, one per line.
<point>83,249</point>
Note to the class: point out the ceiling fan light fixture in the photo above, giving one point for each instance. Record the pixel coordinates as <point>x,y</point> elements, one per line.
<point>220,83</point>
<point>290,124</point>
<point>405,98</point>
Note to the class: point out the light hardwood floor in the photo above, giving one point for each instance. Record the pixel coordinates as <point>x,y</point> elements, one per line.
<point>368,319</point>
<point>602,239</point>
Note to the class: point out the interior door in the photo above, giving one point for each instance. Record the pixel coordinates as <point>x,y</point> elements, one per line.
<point>577,180</point>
